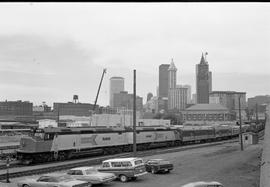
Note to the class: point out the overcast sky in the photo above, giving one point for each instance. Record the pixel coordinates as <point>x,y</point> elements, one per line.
<point>51,51</point>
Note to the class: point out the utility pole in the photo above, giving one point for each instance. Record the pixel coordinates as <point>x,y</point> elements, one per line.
<point>7,178</point>
<point>240,122</point>
<point>58,115</point>
<point>134,114</point>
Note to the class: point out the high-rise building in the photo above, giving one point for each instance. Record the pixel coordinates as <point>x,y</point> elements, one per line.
<point>210,81</point>
<point>163,80</point>
<point>188,87</point>
<point>259,100</point>
<point>177,98</point>
<point>172,75</point>
<point>177,95</point>
<point>116,86</point>
<point>73,109</point>
<point>229,99</point>
<point>16,108</point>
<point>194,99</point>
<point>203,81</point>
<point>125,100</point>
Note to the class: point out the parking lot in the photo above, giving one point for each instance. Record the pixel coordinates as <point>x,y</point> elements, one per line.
<point>224,163</point>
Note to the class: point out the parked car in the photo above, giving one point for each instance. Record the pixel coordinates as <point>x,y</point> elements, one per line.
<point>53,180</point>
<point>204,184</point>
<point>124,168</point>
<point>91,174</point>
<point>158,165</point>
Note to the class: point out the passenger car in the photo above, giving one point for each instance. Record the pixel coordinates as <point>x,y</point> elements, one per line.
<point>158,165</point>
<point>124,168</point>
<point>53,180</point>
<point>91,174</point>
<point>204,184</point>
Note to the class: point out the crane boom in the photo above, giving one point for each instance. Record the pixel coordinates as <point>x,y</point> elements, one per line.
<point>104,71</point>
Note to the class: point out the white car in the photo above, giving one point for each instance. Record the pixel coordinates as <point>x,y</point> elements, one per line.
<point>53,180</point>
<point>204,184</point>
<point>91,174</point>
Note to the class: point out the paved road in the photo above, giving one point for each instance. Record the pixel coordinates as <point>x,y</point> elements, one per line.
<point>223,163</point>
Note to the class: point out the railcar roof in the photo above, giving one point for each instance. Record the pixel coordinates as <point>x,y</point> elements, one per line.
<point>80,129</point>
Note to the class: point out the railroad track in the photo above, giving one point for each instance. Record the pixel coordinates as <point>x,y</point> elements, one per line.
<point>44,168</point>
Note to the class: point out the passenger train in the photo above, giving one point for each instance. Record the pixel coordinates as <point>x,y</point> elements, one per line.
<point>51,144</point>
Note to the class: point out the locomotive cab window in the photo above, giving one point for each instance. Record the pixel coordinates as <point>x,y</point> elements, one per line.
<point>39,135</point>
<point>48,136</point>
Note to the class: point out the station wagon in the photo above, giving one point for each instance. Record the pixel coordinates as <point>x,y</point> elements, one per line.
<point>124,168</point>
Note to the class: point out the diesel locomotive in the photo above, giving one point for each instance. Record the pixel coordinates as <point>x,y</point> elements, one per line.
<point>50,144</point>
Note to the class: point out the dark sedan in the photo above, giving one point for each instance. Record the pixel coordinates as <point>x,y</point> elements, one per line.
<point>158,165</point>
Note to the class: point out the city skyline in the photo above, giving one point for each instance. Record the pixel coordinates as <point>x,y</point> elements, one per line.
<point>50,52</point>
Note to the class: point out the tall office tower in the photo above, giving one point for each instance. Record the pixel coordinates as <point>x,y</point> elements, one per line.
<point>177,98</point>
<point>163,80</point>
<point>116,86</point>
<point>202,81</point>
<point>172,75</point>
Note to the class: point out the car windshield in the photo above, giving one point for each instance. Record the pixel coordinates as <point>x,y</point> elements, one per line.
<point>164,162</point>
<point>91,171</point>
<point>63,178</point>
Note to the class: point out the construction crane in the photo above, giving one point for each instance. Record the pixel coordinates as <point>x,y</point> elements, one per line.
<point>95,104</point>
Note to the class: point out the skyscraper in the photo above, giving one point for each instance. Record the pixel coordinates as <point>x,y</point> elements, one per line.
<point>177,95</point>
<point>203,81</point>
<point>172,75</point>
<point>177,98</point>
<point>116,86</point>
<point>163,80</point>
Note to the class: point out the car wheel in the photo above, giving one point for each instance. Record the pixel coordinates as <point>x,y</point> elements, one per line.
<point>153,170</point>
<point>26,185</point>
<point>123,178</point>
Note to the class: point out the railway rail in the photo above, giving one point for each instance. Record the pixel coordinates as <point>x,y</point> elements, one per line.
<point>52,167</point>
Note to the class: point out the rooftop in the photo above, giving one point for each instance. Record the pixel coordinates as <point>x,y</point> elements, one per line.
<point>227,92</point>
<point>116,78</point>
<point>206,107</point>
